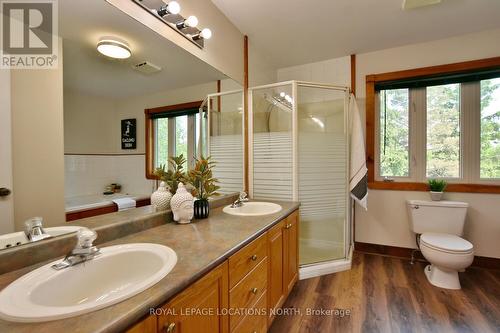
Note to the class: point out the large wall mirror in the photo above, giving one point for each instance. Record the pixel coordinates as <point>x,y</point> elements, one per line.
<point>94,106</point>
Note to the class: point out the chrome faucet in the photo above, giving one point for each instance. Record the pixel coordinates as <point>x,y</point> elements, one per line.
<point>83,251</point>
<point>241,199</point>
<point>33,229</point>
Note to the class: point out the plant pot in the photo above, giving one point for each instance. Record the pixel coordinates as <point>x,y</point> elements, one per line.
<point>436,196</point>
<point>201,209</point>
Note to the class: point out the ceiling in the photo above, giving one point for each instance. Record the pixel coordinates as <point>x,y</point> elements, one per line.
<point>82,23</point>
<point>293,32</point>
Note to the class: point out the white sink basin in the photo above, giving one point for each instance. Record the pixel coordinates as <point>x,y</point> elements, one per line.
<point>118,273</point>
<point>253,208</point>
<point>19,238</point>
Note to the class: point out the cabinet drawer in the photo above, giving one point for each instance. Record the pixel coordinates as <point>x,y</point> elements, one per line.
<point>255,320</point>
<point>246,259</point>
<point>246,293</point>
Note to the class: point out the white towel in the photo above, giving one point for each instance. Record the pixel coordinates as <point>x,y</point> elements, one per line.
<point>125,203</point>
<point>358,179</point>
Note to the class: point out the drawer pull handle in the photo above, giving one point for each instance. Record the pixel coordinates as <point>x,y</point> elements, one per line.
<point>254,257</point>
<point>288,226</point>
<point>254,290</point>
<point>170,328</point>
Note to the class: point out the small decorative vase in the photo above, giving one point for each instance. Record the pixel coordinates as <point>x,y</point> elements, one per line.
<point>436,196</point>
<point>201,209</point>
<point>182,205</point>
<point>160,199</point>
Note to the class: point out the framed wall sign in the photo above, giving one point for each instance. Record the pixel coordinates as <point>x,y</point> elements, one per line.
<point>129,133</point>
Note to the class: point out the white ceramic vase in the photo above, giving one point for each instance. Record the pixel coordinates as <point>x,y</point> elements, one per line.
<point>160,199</point>
<point>436,196</point>
<point>182,205</point>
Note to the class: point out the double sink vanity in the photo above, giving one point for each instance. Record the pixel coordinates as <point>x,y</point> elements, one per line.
<point>226,273</point>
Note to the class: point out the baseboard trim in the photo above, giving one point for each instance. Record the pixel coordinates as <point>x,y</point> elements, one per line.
<point>405,253</point>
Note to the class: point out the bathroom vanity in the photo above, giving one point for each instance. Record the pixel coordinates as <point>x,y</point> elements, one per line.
<point>230,273</point>
<point>252,283</point>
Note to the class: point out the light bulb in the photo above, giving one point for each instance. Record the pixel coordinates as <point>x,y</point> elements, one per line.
<point>282,94</point>
<point>173,7</point>
<point>206,33</point>
<point>191,21</point>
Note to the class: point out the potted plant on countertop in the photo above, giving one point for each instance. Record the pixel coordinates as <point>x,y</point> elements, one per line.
<point>169,181</point>
<point>437,187</point>
<point>204,185</point>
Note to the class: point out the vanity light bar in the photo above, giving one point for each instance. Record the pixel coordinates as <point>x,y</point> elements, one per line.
<point>169,14</point>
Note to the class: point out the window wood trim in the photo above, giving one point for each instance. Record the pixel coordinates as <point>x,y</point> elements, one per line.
<point>150,131</point>
<point>372,80</point>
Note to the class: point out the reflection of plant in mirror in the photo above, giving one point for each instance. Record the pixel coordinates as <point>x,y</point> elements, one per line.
<point>201,177</point>
<point>175,174</point>
<point>437,185</point>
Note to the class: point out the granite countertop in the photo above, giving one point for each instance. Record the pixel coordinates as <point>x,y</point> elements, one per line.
<point>200,247</point>
<point>92,201</point>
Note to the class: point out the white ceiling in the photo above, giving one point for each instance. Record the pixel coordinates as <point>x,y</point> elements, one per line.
<point>293,32</point>
<point>83,22</point>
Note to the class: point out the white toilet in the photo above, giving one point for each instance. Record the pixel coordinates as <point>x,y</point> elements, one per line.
<point>440,225</point>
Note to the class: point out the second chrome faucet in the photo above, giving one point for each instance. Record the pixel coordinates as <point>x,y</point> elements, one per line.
<point>83,251</point>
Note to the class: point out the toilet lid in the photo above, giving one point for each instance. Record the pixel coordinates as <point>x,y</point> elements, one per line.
<point>446,242</point>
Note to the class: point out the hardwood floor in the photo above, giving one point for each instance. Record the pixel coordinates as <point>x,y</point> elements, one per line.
<point>386,294</point>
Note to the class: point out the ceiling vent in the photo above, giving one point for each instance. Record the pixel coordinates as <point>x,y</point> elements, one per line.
<point>412,4</point>
<point>145,67</point>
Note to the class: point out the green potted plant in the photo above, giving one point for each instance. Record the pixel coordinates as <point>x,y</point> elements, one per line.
<point>174,175</point>
<point>437,187</point>
<point>204,185</point>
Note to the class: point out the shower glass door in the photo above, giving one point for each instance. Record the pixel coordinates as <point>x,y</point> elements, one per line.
<point>225,139</point>
<point>322,173</point>
<point>271,142</point>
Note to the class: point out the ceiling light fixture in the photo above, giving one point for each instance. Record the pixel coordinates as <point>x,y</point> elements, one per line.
<point>170,14</point>
<point>172,7</point>
<point>114,48</point>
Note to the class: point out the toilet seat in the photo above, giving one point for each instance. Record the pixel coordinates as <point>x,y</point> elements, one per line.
<point>446,243</point>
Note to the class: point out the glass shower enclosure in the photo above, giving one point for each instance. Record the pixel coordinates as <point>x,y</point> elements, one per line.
<point>298,150</point>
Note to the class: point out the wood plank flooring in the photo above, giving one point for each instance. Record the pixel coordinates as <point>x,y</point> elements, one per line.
<point>386,294</point>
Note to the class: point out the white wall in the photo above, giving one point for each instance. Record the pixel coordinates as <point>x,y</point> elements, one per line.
<point>334,71</point>
<point>89,123</point>
<point>6,203</point>
<point>89,174</point>
<point>386,220</point>
<point>38,144</point>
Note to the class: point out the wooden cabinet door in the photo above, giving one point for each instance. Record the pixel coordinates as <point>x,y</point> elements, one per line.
<point>200,308</point>
<point>275,255</point>
<point>291,252</point>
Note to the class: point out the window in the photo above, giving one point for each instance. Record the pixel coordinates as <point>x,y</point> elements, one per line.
<point>394,133</point>
<point>443,131</point>
<point>171,131</point>
<point>490,129</point>
<point>435,122</point>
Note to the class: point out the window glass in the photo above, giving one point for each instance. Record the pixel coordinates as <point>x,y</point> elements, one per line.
<point>394,133</point>
<point>443,131</point>
<point>161,142</point>
<point>181,137</point>
<point>490,128</point>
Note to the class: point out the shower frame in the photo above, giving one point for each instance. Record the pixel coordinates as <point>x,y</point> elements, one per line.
<point>334,265</point>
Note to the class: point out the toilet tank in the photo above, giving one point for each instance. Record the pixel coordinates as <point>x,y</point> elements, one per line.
<point>437,216</point>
